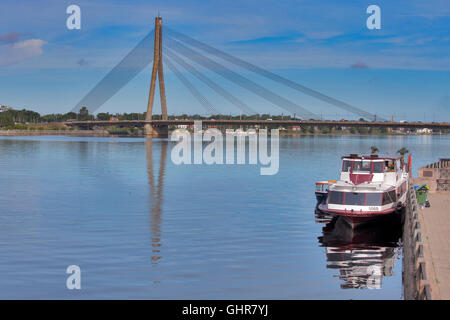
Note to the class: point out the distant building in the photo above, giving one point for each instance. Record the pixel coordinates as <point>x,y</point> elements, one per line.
<point>424,131</point>
<point>4,108</point>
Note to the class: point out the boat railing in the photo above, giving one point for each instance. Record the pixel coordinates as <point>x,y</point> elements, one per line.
<point>322,186</point>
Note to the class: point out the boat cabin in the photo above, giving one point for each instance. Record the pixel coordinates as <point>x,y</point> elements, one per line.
<point>322,186</point>
<point>359,169</point>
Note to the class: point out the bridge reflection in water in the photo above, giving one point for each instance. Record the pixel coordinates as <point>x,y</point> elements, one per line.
<point>156,196</point>
<point>361,256</point>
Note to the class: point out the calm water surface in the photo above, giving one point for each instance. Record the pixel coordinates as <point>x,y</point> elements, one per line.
<point>142,227</point>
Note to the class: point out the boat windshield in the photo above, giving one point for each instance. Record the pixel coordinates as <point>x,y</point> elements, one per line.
<point>346,165</point>
<point>363,166</point>
<point>378,167</point>
<point>355,198</point>
<point>336,197</point>
<point>389,197</point>
<point>373,199</point>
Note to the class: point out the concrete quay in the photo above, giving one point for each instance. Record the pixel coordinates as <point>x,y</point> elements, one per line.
<point>426,236</point>
<point>435,222</point>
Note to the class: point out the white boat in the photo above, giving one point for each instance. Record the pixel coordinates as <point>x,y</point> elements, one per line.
<point>369,187</point>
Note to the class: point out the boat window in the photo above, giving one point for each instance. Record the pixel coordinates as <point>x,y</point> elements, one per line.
<point>389,166</point>
<point>389,197</point>
<point>374,199</point>
<point>378,167</point>
<point>335,197</point>
<point>362,166</point>
<point>346,165</point>
<point>393,196</point>
<point>354,198</point>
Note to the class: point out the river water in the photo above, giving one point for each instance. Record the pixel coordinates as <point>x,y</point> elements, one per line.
<point>141,227</point>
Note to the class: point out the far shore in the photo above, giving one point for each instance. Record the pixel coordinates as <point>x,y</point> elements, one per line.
<point>139,133</point>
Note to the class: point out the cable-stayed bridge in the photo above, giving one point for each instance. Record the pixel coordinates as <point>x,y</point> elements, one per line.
<point>184,55</point>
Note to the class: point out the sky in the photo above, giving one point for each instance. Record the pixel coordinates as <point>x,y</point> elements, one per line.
<point>400,70</point>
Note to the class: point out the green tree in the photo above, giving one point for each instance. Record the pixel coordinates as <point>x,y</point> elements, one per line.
<point>84,115</point>
<point>69,115</point>
<point>6,119</point>
<point>103,116</point>
<point>374,149</point>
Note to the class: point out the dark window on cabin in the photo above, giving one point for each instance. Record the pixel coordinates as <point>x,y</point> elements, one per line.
<point>378,167</point>
<point>393,196</point>
<point>389,166</point>
<point>354,198</point>
<point>389,197</point>
<point>366,166</point>
<point>335,197</point>
<point>402,188</point>
<point>362,166</point>
<point>356,166</point>
<point>374,199</point>
<point>346,165</point>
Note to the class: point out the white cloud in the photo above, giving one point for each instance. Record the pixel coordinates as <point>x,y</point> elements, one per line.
<point>20,51</point>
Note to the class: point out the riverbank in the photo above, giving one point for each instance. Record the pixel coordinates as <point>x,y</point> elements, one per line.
<point>76,133</point>
<point>131,132</point>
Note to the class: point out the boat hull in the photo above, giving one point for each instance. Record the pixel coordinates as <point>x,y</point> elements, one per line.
<point>361,218</point>
<point>321,197</point>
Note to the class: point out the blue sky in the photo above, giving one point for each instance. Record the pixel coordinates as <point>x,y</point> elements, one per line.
<point>401,70</point>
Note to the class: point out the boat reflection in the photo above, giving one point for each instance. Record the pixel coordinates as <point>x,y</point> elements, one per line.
<point>361,256</point>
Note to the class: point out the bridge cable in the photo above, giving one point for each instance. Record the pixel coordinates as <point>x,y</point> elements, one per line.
<point>270,75</point>
<point>203,101</point>
<point>240,80</point>
<point>133,63</point>
<point>218,89</point>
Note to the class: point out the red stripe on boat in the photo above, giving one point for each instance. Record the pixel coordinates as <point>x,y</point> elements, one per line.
<point>348,213</point>
<point>360,178</point>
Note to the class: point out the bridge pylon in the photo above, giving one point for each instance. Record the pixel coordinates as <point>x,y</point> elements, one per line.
<point>150,130</point>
